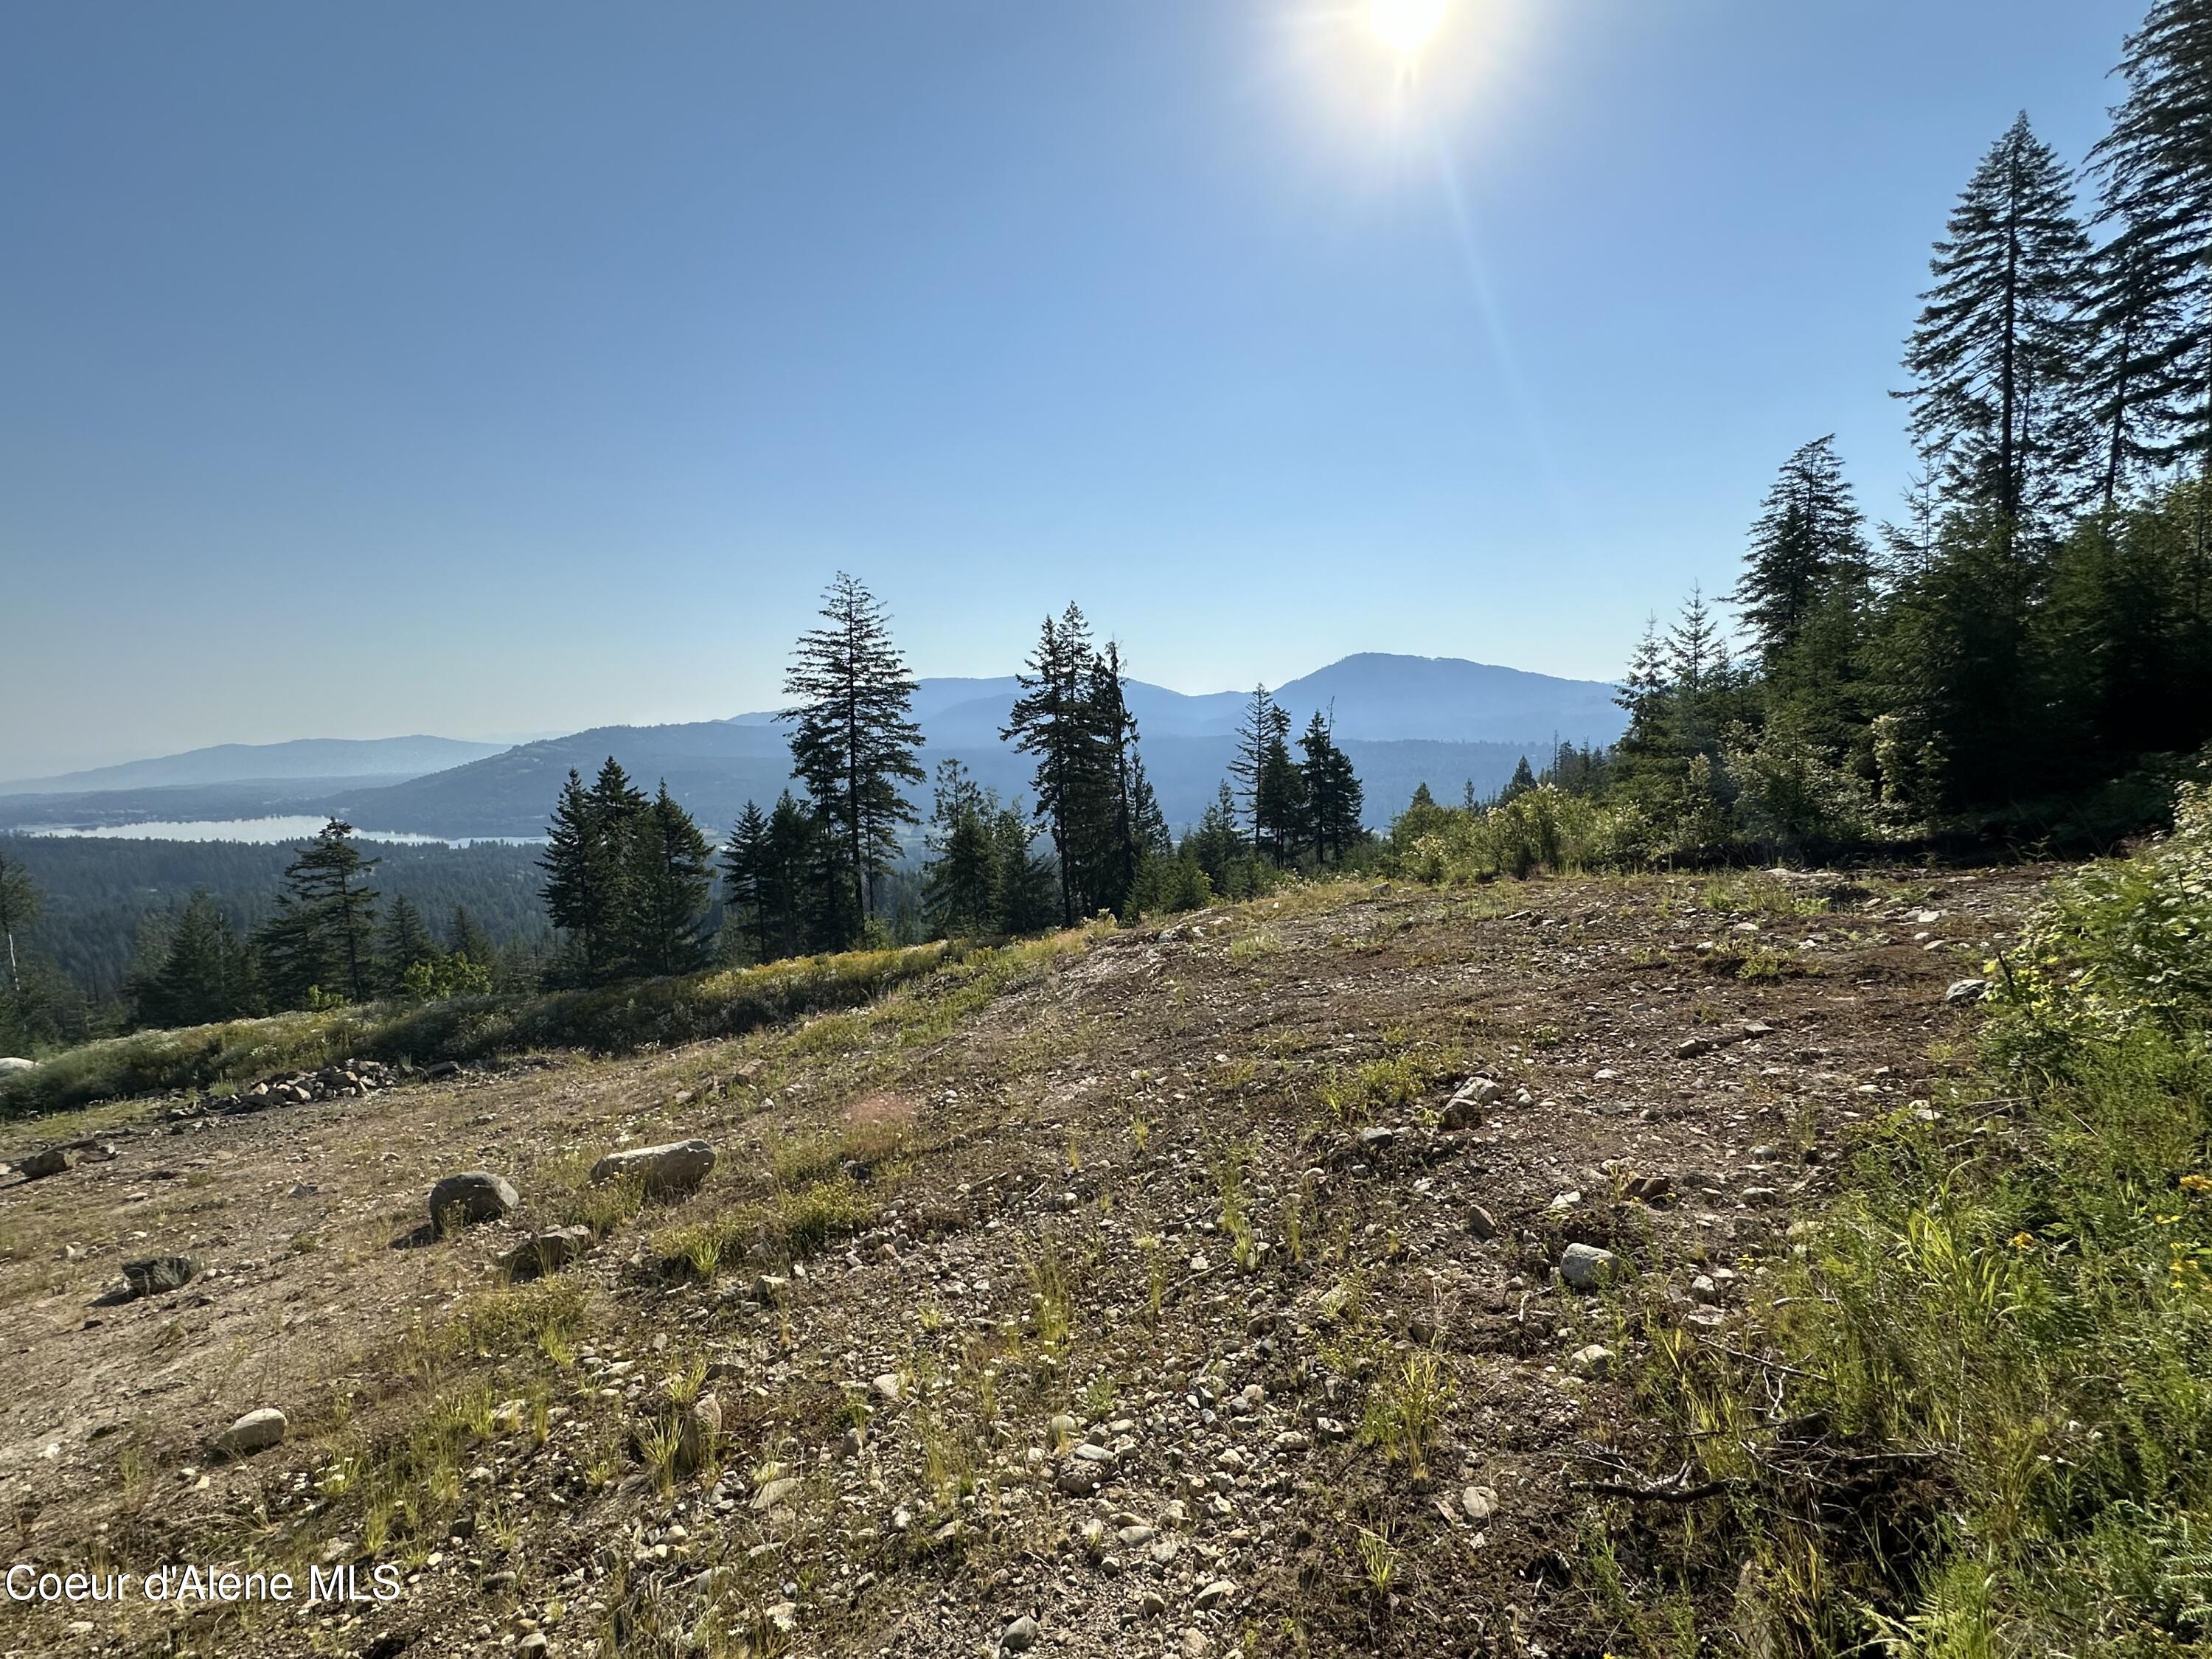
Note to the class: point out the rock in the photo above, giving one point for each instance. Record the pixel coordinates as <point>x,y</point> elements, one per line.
<point>1480,1503</point>
<point>1193,1643</point>
<point>1565,1201</point>
<point>1586,1267</point>
<point>1480,1222</point>
<point>1705,1289</point>
<point>15,1066</point>
<point>55,1160</point>
<point>463,1200</point>
<point>534,1645</point>
<point>773,1494</point>
<point>888,1387</point>
<point>546,1252</point>
<point>702,1431</point>
<point>1019,1637</point>
<point>1376,1139</point>
<point>1966,990</point>
<point>1652,1189</point>
<point>1216,1594</point>
<point>1594,1362</point>
<point>1152,1604</point>
<point>257,1431</point>
<point>1691,1048</point>
<point>158,1275</point>
<point>665,1171</point>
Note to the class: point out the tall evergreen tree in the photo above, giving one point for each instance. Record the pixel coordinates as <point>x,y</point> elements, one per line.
<point>1805,545</point>
<point>323,934</point>
<point>789,862</point>
<point>204,974</point>
<point>1265,727</point>
<point>2154,315</point>
<point>745,875</point>
<point>670,884</point>
<point>1333,799</point>
<point>1052,721</point>
<point>853,738</point>
<point>1993,355</point>
<point>960,885</point>
<point>587,868</point>
<point>405,940</point>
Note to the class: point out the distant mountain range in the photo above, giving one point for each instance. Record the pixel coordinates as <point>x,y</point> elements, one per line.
<point>240,763</point>
<point>1404,721</point>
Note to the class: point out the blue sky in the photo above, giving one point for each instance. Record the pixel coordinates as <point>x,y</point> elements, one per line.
<point>491,368</point>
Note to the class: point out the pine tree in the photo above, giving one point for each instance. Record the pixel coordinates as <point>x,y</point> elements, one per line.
<point>205,974</point>
<point>960,885</point>
<point>2153,311</point>
<point>853,741</point>
<point>1995,347</point>
<point>1053,721</point>
<point>1264,725</point>
<point>788,863</point>
<point>405,941</point>
<point>1023,883</point>
<point>1522,780</point>
<point>1805,545</point>
<point>1217,843</point>
<point>18,909</point>
<point>744,877</point>
<point>1332,798</point>
<point>670,884</point>
<point>587,866</point>
<point>468,941</point>
<point>323,935</point>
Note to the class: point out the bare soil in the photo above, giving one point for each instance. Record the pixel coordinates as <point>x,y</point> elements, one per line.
<point>1132,1182</point>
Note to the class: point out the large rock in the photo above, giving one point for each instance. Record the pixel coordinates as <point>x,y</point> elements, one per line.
<point>11,1065</point>
<point>55,1160</point>
<point>546,1252</point>
<point>257,1431</point>
<point>1587,1267</point>
<point>157,1275</point>
<point>463,1199</point>
<point>664,1172</point>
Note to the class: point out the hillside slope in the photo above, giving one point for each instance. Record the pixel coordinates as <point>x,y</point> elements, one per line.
<point>266,762</point>
<point>1131,1292</point>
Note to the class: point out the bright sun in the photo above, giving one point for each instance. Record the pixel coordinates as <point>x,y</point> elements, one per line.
<point>1406,25</point>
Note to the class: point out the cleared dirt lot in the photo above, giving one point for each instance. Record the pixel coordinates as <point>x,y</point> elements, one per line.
<point>1148,1297</point>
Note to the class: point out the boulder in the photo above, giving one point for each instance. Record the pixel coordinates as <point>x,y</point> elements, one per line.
<point>463,1199</point>
<point>1966,990</point>
<point>55,1160</point>
<point>158,1275</point>
<point>546,1252</point>
<point>665,1171</point>
<point>1586,1267</point>
<point>12,1065</point>
<point>257,1431</point>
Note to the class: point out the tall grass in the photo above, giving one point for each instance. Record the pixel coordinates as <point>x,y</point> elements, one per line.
<point>1994,1434</point>
<point>614,1019</point>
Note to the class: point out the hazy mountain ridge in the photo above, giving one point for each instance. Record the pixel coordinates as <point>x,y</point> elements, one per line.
<point>1404,721</point>
<point>265,763</point>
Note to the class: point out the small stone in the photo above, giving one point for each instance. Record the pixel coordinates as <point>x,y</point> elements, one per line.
<point>158,1275</point>
<point>1019,1636</point>
<point>535,1642</point>
<point>678,1167</point>
<point>1594,1362</point>
<point>1480,1222</point>
<point>1966,990</point>
<point>55,1160</point>
<point>1586,1267</point>
<point>1216,1594</point>
<point>1480,1503</point>
<point>888,1387</point>
<point>465,1200</point>
<point>546,1252</point>
<point>257,1431</point>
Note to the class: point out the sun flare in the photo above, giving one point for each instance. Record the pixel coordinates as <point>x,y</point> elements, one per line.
<point>1407,26</point>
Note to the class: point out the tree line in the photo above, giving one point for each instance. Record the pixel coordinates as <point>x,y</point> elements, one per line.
<point>2026,650</point>
<point>636,889</point>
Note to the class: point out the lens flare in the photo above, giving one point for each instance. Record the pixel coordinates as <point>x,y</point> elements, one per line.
<point>1407,26</point>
